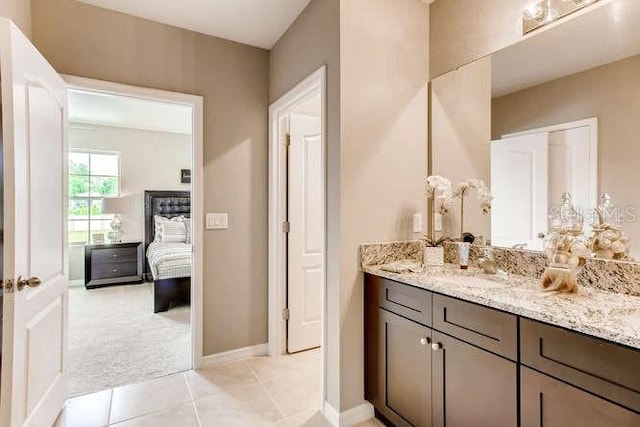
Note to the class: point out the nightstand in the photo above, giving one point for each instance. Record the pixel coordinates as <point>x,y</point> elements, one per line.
<point>113,264</point>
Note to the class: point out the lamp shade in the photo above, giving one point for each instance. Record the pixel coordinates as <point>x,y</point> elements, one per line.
<point>115,205</point>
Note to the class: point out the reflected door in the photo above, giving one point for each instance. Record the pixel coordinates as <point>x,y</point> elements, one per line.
<point>34,107</point>
<point>306,236</point>
<point>572,167</point>
<point>519,182</point>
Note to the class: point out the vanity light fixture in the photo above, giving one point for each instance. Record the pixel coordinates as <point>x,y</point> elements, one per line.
<point>543,12</point>
<point>580,2</point>
<point>533,11</point>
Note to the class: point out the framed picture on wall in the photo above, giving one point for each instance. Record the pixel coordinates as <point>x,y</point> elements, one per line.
<point>98,238</point>
<point>185,176</point>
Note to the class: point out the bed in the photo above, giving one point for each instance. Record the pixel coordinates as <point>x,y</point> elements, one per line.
<point>168,263</point>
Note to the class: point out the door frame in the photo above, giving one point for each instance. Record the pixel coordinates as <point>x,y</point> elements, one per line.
<point>316,82</point>
<point>197,185</point>
<point>592,124</point>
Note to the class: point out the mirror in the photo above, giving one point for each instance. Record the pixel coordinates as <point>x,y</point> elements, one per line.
<point>557,112</point>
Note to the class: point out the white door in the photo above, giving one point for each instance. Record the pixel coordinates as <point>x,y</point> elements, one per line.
<point>519,182</point>
<point>306,237</point>
<point>572,168</point>
<point>34,158</point>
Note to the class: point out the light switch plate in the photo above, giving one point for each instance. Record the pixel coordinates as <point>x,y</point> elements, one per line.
<point>217,221</point>
<point>417,223</point>
<point>437,223</point>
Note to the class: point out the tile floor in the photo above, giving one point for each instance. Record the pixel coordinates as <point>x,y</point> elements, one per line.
<point>261,391</point>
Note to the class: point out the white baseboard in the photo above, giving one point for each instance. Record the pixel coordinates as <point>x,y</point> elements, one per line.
<point>237,354</point>
<point>348,418</point>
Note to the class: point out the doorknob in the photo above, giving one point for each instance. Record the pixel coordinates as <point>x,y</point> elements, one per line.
<point>425,341</point>
<point>436,346</point>
<point>32,282</point>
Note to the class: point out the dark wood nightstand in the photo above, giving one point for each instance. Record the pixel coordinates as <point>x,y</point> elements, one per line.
<point>113,264</point>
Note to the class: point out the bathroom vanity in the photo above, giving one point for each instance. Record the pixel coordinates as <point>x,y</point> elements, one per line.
<point>440,350</point>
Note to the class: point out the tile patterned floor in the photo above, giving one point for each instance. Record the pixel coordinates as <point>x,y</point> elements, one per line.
<point>262,391</point>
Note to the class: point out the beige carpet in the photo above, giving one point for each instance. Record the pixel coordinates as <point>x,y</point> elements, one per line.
<point>115,338</point>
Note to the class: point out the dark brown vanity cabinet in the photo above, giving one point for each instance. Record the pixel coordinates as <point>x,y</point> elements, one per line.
<point>472,387</point>
<point>418,376</point>
<point>433,360</point>
<point>571,379</point>
<point>552,403</point>
<point>400,379</point>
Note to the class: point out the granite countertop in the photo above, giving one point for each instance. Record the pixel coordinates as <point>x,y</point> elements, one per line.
<point>610,316</point>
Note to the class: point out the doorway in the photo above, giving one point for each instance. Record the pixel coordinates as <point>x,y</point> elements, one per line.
<point>134,185</point>
<point>297,220</point>
<point>530,172</point>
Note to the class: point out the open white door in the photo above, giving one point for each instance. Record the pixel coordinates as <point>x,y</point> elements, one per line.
<point>34,151</point>
<point>519,182</point>
<point>306,236</point>
<point>573,167</point>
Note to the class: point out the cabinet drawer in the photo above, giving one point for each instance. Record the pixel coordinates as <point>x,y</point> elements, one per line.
<point>407,301</point>
<point>484,327</point>
<point>114,255</point>
<point>108,271</point>
<point>601,367</point>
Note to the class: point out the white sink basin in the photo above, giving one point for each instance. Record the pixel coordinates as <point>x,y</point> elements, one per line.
<point>471,281</point>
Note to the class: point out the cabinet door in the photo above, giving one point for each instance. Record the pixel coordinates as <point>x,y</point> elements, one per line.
<point>403,371</point>
<point>472,387</point>
<point>548,402</point>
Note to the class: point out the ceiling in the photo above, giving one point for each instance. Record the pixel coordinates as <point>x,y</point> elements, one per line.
<point>599,36</point>
<point>254,22</point>
<point>94,108</point>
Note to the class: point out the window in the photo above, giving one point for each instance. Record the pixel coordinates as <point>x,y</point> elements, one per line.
<point>92,177</point>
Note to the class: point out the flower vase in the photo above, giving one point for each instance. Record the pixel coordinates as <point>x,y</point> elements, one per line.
<point>434,256</point>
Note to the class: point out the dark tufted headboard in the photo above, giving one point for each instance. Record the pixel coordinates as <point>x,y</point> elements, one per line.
<point>163,203</point>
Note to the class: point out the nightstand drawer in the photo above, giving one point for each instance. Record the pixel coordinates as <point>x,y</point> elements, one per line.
<point>114,255</point>
<point>108,271</point>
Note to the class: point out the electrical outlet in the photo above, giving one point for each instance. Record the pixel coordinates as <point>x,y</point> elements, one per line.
<point>417,223</point>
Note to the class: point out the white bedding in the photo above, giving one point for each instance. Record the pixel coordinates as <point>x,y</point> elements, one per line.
<point>169,260</point>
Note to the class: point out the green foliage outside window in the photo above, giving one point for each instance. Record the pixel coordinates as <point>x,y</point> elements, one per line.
<point>92,177</point>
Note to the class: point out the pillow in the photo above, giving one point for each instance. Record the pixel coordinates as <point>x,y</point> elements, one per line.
<point>187,226</point>
<point>169,230</point>
<point>173,231</point>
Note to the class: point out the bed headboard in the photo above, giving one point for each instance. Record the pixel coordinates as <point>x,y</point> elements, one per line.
<point>163,203</point>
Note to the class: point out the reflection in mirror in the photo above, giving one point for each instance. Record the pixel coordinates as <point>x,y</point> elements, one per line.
<point>564,116</point>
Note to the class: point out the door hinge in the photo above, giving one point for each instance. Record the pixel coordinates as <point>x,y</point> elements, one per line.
<point>285,313</point>
<point>287,140</point>
<point>286,226</point>
<point>7,285</point>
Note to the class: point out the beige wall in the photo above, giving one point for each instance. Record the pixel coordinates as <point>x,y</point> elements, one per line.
<point>377,57</point>
<point>90,42</point>
<point>312,41</point>
<point>460,137</point>
<point>19,11</point>
<point>465,30</point>
<point>384,78</point>
<point>612,94</point>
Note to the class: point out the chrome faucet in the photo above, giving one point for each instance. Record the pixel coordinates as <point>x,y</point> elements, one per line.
<point>519,246</point>
<point>487,263</point>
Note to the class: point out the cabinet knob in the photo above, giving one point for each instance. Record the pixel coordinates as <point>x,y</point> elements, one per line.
<point>436,346</point>
<point>425,341</point>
